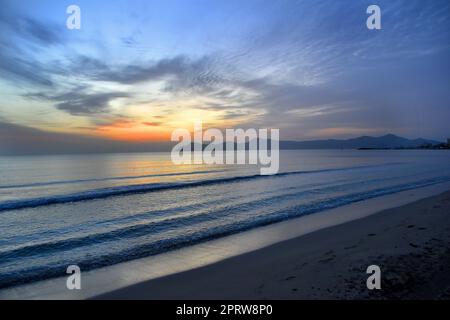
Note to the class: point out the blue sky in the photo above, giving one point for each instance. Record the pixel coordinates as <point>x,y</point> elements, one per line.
<point>138,69</point>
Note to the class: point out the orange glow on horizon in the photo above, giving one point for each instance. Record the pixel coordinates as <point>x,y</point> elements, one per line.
<point>134,132</point>
<point>159,129</point>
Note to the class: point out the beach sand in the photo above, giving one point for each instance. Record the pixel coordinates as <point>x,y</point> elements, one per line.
<point>411,245</point>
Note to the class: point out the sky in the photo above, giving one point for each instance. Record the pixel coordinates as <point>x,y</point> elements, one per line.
<point>137,70</point>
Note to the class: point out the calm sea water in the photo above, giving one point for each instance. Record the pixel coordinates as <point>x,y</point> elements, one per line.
<point>98,210</point>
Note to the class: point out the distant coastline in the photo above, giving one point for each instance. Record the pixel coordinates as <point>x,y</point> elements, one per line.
<point>435,147</point>
<point>67,146</point>
<point>385,142</point>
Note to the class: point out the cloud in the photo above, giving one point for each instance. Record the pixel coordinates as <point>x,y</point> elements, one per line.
<point>16,69</point>
<point>129,41</point>
<point>79,104</point>
<point>152,124</point>
<point>179,67</point>
<point>16,25</point>
<point>287,96</point>
<point>80,101</point>
<point>37,31</point>
<point>20,39</point>
<point>21,140</point>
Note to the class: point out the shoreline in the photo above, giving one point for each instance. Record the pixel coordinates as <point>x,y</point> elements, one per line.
<point>410,244</point>
<point>117,277</point>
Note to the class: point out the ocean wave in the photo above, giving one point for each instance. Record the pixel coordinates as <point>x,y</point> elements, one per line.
<point>185,239</point>
<point>152,187</point>
<point>58,182</point>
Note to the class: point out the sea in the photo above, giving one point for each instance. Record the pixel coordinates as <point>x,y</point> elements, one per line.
<point>99,210</point>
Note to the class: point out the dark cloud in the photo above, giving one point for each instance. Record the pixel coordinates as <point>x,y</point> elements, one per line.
<point>80,101</point>
<point>19,36</point>
<point>79,104</point>
<point>16,69</point>
<point>179,67</point>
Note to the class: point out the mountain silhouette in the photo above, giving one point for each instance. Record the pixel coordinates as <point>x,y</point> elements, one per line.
<point>388,141</point>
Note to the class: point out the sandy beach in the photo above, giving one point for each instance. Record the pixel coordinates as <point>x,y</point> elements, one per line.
<point>411,245</point>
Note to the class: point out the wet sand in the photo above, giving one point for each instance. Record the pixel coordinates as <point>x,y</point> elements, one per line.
<point>411,245</point>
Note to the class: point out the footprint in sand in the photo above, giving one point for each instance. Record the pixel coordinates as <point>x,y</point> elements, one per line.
<point>327,260</point>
